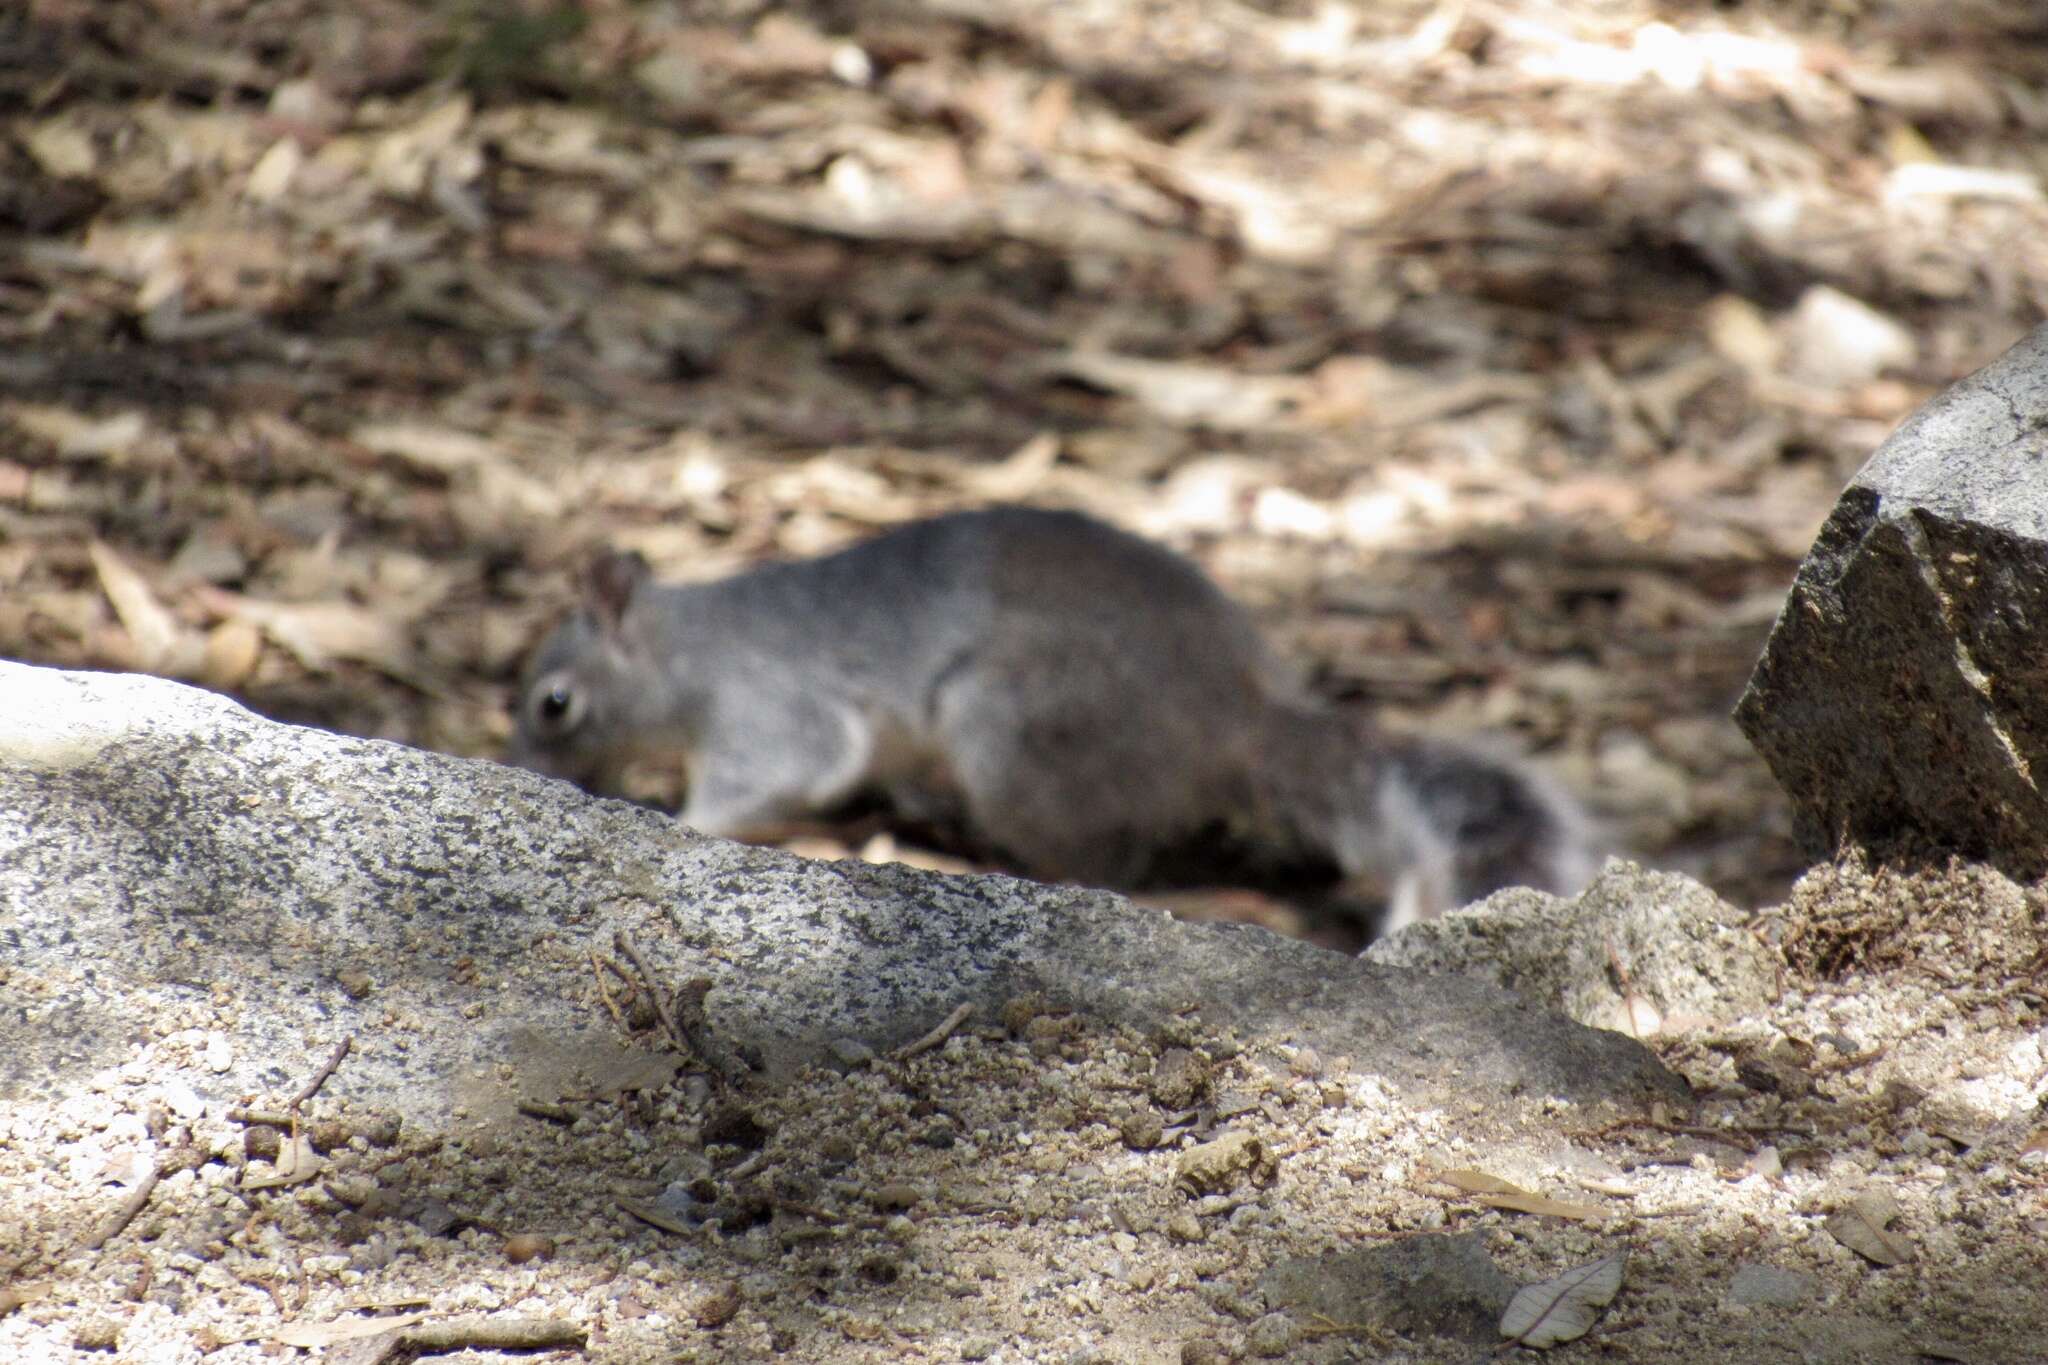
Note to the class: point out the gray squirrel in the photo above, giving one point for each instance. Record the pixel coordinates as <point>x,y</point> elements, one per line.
<point>1086,705</point>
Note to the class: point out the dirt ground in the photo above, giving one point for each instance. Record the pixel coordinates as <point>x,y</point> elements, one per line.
<point>1863,1177</point>
<point>1504,357</point>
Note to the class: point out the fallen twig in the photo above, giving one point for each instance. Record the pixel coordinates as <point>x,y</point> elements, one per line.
<point>1850,1062</point>
<point>125,1215</point>
<point>493,1334</point>
<point>624,943</point>
<point>1737,1139</point>
<point>557,1113</point>
<point>597,971</point>
<point>312,1087</point>
<point>695,1022</point>
<point>691,1031</point>
<point>959,1016</point>
<point>803,1210</point>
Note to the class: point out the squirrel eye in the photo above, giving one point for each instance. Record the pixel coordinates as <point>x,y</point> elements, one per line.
<point>555,705</point>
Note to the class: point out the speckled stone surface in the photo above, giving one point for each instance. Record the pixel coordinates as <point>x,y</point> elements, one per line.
<point>1687,953</point>
<point>156,839</point>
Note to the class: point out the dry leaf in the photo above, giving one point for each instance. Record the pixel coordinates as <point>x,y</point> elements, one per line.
<point>318,633</point>
<point>1541,1204</point>
<point>15,1295</point>
<point>233,649</point>
<point>311,1335</point>
<point>152,631</point>
<point>1496,1193</point>
<point>1563,1309</point>
<point>296,1163</point>
<point>1188,394</point>
<point>1861,1227</point>
<point>655,1215</point>
<point>1020,472</point>
<point>458,455</point>
<point>1478,1182</point>
<point>79,435</point>
<point>441,449</point>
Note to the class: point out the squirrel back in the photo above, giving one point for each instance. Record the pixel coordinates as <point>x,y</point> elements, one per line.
<point>1085,704</point>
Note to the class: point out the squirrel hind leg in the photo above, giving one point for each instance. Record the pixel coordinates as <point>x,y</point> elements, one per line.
<point>1057,784</point>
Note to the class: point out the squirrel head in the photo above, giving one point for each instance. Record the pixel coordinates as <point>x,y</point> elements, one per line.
<point>578,697</point>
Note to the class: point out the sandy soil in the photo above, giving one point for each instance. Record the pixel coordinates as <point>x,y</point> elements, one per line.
<point>1863,1177</point>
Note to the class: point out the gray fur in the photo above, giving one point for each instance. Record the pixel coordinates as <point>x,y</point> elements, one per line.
<point>1086,704</point>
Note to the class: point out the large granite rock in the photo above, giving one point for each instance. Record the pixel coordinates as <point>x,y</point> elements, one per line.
<point>160,844</point>
<point>1903,697</point>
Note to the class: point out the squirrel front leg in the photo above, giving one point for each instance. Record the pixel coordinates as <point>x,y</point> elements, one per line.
<point>755,776</point>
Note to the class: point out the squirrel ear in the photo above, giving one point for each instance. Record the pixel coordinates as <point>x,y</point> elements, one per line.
<point>610,580</point>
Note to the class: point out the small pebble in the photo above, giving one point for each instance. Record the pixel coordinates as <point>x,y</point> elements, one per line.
<point>522,1247</point>
<point>1019,1011</point>
<point>718,1305</point>
<point>1045,1033</point>
<point>1271,1336</point>
<point>894,1197</point>
<point>97,1334</point>
<point>850,1053</point>
<point>1143,1131</point>
<point>1179,1079</point>
<point>329,1135</point>
<point>1216,1166</point>
<point>352,1190</point>
<point>379,1130</point>
<point>1185,1227</point>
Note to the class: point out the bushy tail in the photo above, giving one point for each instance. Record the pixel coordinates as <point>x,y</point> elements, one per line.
<point>1423,825</point>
